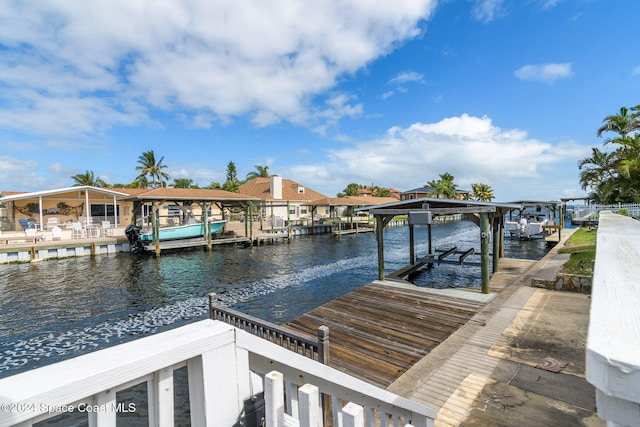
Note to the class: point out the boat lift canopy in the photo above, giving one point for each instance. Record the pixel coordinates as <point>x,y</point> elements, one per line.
<point>488,216</point>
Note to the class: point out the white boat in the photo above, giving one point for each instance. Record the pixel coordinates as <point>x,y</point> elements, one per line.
<point>187,231</point>
<point>527,225</point>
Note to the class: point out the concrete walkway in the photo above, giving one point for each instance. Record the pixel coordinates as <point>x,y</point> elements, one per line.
<point>518,362</point>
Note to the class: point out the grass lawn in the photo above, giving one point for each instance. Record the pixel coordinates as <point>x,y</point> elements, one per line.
<point>582,247</point>
<point>582,236</point>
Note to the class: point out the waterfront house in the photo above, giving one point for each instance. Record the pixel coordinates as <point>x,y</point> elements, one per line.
<point>283,200</point>
<point>62,206</point>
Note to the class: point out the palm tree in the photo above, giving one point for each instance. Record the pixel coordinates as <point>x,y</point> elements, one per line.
<point>482,192</point>
<point>183,183</point>
<point>615,176</point>
<point>622,123</point>
<point>352,189</point>
<point>443,187</point>
<point>214,186</point>
<point>88,178</point>
<point>596,169</point>
<point>260,172</point>
<point>147,165</point>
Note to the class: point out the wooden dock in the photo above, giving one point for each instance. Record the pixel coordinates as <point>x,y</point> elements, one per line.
<point>379,331</point>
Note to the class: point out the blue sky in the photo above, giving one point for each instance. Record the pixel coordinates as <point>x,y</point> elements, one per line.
<point>509,93</point>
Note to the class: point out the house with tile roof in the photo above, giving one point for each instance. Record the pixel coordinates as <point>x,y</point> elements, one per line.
<point>283,199</point>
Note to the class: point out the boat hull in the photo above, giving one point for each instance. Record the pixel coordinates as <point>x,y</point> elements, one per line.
<point>524,228</point>
<point>189,231</point>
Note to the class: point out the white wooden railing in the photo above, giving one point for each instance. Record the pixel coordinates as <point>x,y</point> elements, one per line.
<point>613,343</point>
<point>225,369</point>
<point>310,407</point>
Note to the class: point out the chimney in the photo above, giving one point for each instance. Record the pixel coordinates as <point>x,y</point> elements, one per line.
<point>275,187</point>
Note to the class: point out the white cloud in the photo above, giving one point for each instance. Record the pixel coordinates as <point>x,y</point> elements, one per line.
<point>471,148</point>
<point>407,77</point>
<point>545,73</point>
<point>549,4</point>
<point>84,67</point>
<point>487,10</point>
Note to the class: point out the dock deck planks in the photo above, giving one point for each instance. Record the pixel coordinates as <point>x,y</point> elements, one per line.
<point>379,331</point>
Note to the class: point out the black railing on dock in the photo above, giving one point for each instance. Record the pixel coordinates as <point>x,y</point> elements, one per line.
<point>316,349</point>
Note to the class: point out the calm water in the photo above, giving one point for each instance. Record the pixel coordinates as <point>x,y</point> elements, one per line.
<point>53,310</point>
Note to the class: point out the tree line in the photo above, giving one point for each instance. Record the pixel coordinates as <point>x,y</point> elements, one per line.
<point>444,188</point>
<point>152,174</point>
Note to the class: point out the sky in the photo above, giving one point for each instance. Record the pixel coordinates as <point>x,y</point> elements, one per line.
<point>508,93</point>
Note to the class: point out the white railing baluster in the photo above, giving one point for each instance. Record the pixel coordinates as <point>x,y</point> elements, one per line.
<point>310,407</point>
<point>274,399</point>
<point>106,399</point>
<point>160,395</point>
<point>352,415</point>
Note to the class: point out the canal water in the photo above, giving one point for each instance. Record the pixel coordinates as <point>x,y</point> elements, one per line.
<point>54,310</point>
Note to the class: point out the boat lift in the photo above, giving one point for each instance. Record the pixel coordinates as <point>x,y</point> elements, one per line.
<point>486,215</point>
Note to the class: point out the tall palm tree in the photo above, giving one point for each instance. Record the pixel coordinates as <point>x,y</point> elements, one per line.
<point>260,172</point>
<point>482,192</point>
<point>147,165</point>
<point>622,123</point>
<point>88,178</point>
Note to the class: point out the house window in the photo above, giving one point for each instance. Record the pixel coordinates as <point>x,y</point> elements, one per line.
<point>173,211</point>
<point>292,211</point>
<point>103,213</point>
<point>300,190</point>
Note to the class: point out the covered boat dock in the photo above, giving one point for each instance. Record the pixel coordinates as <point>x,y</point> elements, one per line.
<point>336,204</point>
<point>488,216</point>
<point>205,199</point>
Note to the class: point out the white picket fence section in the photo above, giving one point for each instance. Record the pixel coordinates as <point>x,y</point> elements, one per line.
<point>225,369</point>
<point>584,212</point>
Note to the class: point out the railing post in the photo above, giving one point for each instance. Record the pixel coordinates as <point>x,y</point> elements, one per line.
<point>309,406</point>
<point>352,415</point>
<point>274,399</point>
<point>213,301</point>
<point>323,345</point>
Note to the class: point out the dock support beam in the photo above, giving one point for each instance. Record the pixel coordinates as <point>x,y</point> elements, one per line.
<point>485,232</point>
<point>379,230</point>
<point>412,249</point>
<point>155,227</point>
<point>497,232</point>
